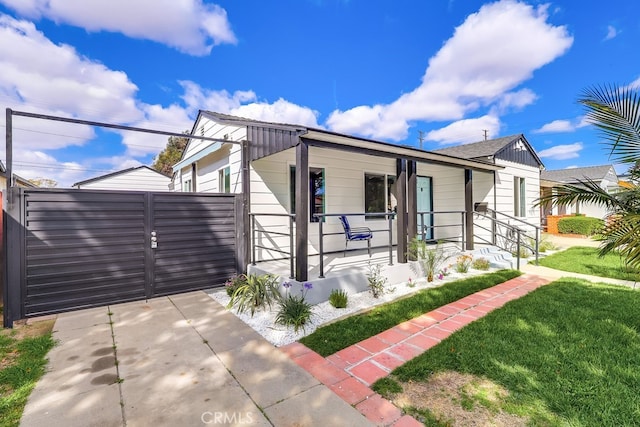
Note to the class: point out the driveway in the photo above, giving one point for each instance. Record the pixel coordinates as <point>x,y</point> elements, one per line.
<point>180,360</point>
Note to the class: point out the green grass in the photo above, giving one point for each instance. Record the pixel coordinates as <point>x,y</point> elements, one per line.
<point>22,363</point>
<point>334,337</point>
<point>585,260</point>
<point>568,353</point>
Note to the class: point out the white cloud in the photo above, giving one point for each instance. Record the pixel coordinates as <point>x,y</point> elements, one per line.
<point>562,126</point>
<point>190,26</point>
<point>612,32</point>
<point>491,52</point>
<point>562,152</point>
<point>281,111</point>
<point>466,131</point>
<point>635,84</point>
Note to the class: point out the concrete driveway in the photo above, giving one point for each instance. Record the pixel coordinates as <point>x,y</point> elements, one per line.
<point>176,361</point>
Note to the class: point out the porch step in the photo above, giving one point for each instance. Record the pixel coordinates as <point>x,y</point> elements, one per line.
<point>498,258</point>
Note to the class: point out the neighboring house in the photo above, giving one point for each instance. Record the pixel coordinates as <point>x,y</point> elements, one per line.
<point>18,181</point>
<point>516,186</point>
<point>605,176</point>
<point>347,174</point>
<point>140,178</point>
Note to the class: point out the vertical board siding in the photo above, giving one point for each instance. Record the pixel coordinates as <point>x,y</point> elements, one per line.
<point>82,249</point>
<point>89,248</point>
<point>196,241</point>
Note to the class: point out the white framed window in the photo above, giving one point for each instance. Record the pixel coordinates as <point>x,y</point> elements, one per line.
<point>519,197</point>
<point>224,180</point>
<point>186,185</point>
<point>379,193</point>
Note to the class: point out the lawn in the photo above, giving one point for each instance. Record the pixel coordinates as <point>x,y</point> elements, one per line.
<point>334,337</point>
<point>22,362</point>
<point>585,260</point>
<point>565,354</point>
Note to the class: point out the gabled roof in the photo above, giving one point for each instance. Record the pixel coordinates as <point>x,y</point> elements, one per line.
<point>287,136</point>
<point>112,174</point>
<point>491,148</point>
<point>595,173</point>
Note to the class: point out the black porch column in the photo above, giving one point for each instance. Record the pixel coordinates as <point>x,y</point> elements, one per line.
<point>412,199</point>
<point>302,210</point>
<point>401,218</point>
<point>244,251</point>
<point>468,207</point>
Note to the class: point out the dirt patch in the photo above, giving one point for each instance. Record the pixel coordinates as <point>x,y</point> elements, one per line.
<point>460,400</point>
<point>22,331</point>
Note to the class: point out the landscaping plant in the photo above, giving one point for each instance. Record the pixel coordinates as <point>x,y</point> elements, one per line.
<point>254,293</point>
<point>463,262</point>
<point>338,298</point>
<point>583,225</point>
<point>376,281</point>
<point>294,310</point>
<point>481,264</point>
<point>234,283</point>
<point>429,260</point>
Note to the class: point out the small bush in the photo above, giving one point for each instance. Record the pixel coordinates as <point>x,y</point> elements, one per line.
<point>338,298</point>
<point>544,244</point>
<point>583,225</point>
<point>481,264</point>
<point>234,283</point>
<point>429,260</point>
<point>294,310</point>
<point>376,280</point>
<point>463,262</point>
<point>254,293</point>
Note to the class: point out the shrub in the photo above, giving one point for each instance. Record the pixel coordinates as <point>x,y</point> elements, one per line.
<point>254,293</point>
<point>294,310</point>
<point>544,244</point>
<point>583,225</point>
<point>234,283</point>
<point>376,281</point>
<point>338,298</point>
<point>463,262</point>
<point>481,264</point>
<point>429,260</point>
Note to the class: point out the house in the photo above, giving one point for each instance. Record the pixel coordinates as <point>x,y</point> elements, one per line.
<point>285,169</point>
<point>604,175</point>
<point>140,178</point>
<point>18,181</point>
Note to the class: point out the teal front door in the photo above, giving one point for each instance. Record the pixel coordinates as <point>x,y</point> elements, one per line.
<point>425,206</point>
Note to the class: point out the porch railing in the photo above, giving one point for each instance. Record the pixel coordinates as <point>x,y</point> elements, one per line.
<point>321,234</point>
<point>430,229</point>
<point>508,236</point>
<point>255,232</point>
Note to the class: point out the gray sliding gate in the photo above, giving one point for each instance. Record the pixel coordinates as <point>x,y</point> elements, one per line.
<point>72,249</point>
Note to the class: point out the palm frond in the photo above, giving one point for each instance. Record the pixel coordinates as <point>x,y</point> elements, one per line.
<point>615,111</point>
<point>585,191</point>
<point>623,234</point>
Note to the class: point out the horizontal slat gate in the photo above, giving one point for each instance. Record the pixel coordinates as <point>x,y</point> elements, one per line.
<point>82,249</point>
<point>196,241</point>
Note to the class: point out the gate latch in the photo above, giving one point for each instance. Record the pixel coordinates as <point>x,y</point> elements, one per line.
<point>154,240</point>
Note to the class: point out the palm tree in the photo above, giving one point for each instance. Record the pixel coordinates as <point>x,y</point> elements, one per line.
<point>615,112</point>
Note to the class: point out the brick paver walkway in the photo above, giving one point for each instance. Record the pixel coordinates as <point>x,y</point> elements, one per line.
<point>351,371</point>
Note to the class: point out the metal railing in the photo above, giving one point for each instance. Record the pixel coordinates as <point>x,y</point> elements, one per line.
<point>388,215</point>
<point>430,229</point>
<point>266,233</point>
<point>508,236</point>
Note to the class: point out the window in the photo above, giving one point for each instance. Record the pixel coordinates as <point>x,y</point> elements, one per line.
<point>519,197</point>
<point>186,186</point>
<point>379,193</point>
<point>316,191</point>
<point>224,180</point>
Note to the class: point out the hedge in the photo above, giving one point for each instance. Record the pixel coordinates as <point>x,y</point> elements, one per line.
<point>584,225</point>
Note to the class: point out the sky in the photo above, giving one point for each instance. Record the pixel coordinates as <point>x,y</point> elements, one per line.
<point>446,70</point>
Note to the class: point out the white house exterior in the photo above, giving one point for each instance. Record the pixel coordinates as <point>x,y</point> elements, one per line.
<point>348,175</point>
<point>141,178</point>
<point>604,175</point>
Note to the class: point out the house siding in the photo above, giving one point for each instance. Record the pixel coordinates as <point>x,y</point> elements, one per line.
<point>505,189</point>
<point>141,179</point>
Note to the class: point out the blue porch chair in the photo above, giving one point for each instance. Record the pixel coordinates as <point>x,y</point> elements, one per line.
<point>356,234</point>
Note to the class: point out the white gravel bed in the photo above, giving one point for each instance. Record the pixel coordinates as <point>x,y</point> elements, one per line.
<point>263,321</point>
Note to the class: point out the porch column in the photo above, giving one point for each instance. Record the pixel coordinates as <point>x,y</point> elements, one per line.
<point>244,252</point>
<point>412,199</point>
<point>468,208</point>
<point>302,211</point>
<point>401,217</point>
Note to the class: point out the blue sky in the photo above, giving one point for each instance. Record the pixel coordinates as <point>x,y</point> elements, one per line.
<point>379,69</point>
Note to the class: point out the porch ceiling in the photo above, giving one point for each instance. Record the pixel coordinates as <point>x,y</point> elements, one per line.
<point>322,138</point>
